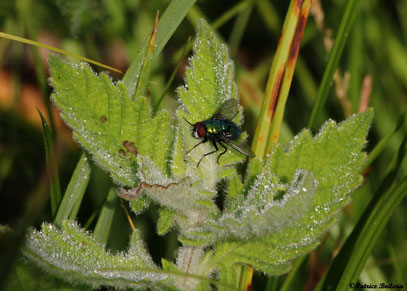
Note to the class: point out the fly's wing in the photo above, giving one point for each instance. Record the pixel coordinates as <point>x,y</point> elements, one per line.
<point>241,147</point>
<point>227,110</point>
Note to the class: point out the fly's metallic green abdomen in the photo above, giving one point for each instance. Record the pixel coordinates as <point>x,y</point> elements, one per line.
<point>217,128</point>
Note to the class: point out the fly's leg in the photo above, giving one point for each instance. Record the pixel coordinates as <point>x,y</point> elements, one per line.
<point>222,153</point>
<point>210,153</point>
<point>204,140</point>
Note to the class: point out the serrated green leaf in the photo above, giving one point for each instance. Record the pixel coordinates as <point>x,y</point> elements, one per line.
<point>334,157</point>
<point>260,214</point>
<point>235,186</point>
<point>165,220</point>
<point>265,254</point>
<point>210,76</point>
<point>268,240</point>
<point>185,188</point>
<point>62,253</point>
<point>255,167</point>
<point>115,130</point>
<point>209,83</point>
<point>139,204</point>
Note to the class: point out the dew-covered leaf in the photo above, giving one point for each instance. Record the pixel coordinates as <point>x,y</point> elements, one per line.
<point>209,77</point>
<point>334,157</point>
<point>260,213</point>
<point>165,220</point>
<point>189,190</point>
<point>266,254</point>
<point>235,186</point>
<point>115,130</point>
<point>75,256</point>
<point>209,84</point>
<point>272,222</point>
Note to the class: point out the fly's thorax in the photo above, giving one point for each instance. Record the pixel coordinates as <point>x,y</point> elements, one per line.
<point>221,127</point>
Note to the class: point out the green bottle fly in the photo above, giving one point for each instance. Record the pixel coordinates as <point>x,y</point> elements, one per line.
<point>220,129</point>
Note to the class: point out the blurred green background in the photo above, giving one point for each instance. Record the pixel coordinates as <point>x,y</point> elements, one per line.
<point>372,73</point>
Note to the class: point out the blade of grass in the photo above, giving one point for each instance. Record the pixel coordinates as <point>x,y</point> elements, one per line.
<point>225,17</point>
<point>278,86</point>
<point>303,73</point>
<point>333,61</point>
<point>397,266</point>
<point>269,15</point>
<point>272,283</point>
<point>353,255</point>
<point>239,28</point>
<point>246,276</point>
<point>74,192</point>
<point>174,73</point>
<point>355,63</point>
<point>104,222</point>
<point>91,219</point>
<point>169,22</point>
<point>383,142</point>
<point>371,232</point>
<point>195,14</point>
<point>141,87</point>
<point>52,168</point>
<point>280,77</point>
<point>40,70</point>
<point>54,49</point>
<point>291,277</point>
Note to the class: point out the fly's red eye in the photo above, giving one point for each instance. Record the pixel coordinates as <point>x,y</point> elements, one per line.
<point>201,131</point>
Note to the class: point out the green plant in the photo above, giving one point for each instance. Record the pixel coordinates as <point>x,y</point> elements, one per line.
<point>276,213</point>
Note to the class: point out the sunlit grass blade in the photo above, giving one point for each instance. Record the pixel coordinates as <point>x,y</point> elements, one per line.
<point>54,49</point>
<point>74,192</point>
<point>246,277</point>
<point>104,222</point>
<point>353,255</point>
<point>169,22</point>
<point>141,87</point>
<point>384,142</point>
<point>333,61</point>
<point>278,85</point>
<point>280,77</point>
<point>302,73</point>
<point>52,168</point>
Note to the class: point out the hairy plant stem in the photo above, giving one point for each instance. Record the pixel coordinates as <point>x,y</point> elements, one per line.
<point>189,258</point>
<point>189,261</point>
